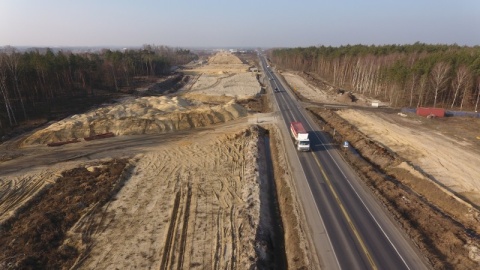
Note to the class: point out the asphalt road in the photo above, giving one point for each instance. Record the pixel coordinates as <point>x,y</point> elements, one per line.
<point>350,228</point>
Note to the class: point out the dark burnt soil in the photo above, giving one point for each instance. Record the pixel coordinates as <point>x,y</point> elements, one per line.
<point>36,237</point>
<point>438,224</point>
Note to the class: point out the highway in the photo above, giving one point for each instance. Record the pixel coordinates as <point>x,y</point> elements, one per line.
<point>350,229</point>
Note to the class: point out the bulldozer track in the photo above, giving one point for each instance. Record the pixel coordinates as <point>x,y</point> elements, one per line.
<point>184,230</point>
<point>167,251</point>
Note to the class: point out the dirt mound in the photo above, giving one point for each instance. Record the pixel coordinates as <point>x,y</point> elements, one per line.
<point>146,115</point>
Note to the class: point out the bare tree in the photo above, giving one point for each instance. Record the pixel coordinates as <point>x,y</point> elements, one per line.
<point>412,87</point>
<point>423,84</point>
<point>460,81</point>
<point>466,95</point>
<point>3,89</point>
<point>439,77</point>
<point>12,59</point>
<point>478,95</point>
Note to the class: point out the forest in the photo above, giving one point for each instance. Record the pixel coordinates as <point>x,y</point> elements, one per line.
<point>38,83</point>
<point>416,75</point>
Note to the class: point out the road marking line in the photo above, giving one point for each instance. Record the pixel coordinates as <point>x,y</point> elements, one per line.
<point>348,181</point>
<point>358,196</point>
<point>345,214</point>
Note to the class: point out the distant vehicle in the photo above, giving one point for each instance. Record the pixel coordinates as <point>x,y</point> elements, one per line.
<point>300,135</point>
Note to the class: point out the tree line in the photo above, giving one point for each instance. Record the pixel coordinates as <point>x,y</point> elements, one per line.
<point>415,75</point>
<point>35,81</point>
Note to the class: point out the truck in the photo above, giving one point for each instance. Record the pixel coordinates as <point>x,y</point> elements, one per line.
<point>300,135</point>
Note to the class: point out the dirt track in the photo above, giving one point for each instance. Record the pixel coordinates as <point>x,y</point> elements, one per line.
<point>182,210</point>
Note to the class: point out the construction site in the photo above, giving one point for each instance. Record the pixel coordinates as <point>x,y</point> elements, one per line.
<point>192,179</point>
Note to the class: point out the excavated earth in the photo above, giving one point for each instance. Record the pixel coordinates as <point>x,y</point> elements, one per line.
<point>180,181</point>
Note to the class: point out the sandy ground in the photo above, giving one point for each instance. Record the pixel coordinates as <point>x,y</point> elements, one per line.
<point>183,210</point>
<point>451,162</point>
<point>224,75</point>
<point>190,200</point>
<point>147,115</point>
<point>241,86</point>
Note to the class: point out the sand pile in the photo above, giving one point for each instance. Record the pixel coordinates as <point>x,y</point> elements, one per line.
<point>147,115</point>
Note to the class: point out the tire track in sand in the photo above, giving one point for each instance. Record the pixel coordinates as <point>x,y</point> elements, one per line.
<point>167,252</point>
<point>191,201</point>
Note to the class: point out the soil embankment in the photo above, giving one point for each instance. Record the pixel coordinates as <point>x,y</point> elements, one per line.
<point>299,253</point>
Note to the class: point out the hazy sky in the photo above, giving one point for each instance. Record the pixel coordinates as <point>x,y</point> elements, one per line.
<point>226,23</point>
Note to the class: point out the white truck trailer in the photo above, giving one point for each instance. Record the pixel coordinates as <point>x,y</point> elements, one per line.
<point>300,135</point>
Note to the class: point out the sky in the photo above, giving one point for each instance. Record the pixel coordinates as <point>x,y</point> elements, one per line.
<point>248,23</point>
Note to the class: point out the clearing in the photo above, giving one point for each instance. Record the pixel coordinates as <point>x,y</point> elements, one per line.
<point>182,181</point>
